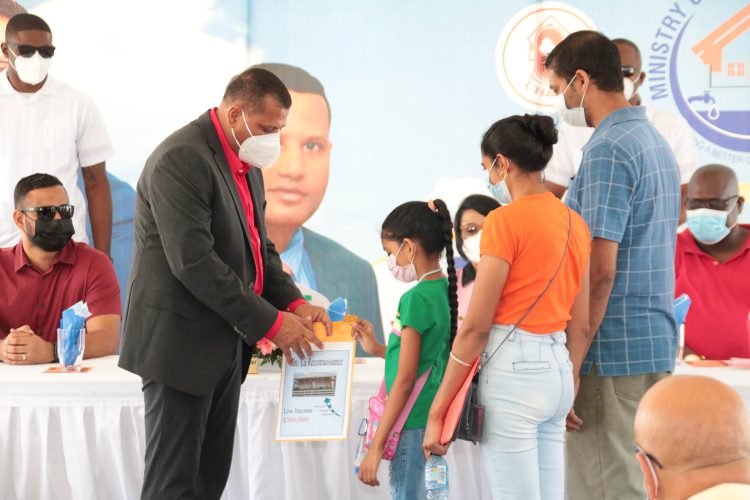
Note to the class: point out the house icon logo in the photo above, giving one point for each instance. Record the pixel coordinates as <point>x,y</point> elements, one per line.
<point>709,75</point>
<point>524,44</point>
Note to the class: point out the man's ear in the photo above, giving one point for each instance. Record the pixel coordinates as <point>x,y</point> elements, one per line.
<point>642,78</point>
<point>648,479</point>
<point>740,204</point>
<point>18,217</point>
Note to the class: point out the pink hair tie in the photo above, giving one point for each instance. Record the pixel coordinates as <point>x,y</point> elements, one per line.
<point>432,206</point>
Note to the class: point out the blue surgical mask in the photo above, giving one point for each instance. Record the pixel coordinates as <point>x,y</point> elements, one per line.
<point>707,225</point>
<point>500,190</point>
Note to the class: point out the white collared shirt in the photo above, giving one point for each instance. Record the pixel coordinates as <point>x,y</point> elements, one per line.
<point>567,154</point>
<point>54,131</point>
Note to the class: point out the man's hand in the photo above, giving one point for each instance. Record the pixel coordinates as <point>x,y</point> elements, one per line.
<point>295,335</point>
<point>315,314</point>
<point>23,347</point>
<point>573,423</point>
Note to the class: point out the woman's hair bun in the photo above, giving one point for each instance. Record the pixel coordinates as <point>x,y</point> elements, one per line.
<point>543,128</point>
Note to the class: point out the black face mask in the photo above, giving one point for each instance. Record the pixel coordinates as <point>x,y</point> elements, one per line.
<point>52,235</point>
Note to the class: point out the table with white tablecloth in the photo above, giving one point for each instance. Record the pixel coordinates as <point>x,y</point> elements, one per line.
<point>81,435</point>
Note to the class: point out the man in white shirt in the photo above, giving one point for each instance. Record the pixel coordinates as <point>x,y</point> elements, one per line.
<point>567,154</point>
<point>48,126</point>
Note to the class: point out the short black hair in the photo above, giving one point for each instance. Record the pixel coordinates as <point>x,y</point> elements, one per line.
<point>9,8</point>
<point>253,85</point>
<point>483,205</point>
<point>298,80</point>
<point>26,22</point>
<point>591,52</point>
<point>527,140</point>
<point>32,182</point>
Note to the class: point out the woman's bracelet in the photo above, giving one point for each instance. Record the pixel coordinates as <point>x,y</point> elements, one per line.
<point>459,360</point>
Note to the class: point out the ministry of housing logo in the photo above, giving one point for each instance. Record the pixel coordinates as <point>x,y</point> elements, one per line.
<point>705,62</point>
<point>524,44</point>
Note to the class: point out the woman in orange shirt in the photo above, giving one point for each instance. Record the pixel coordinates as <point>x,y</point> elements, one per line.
<point>531,290</point>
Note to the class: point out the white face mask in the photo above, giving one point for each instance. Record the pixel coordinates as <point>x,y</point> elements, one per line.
<point>407,273</point>
<point>629,88</point>
<point>471,247</point>
<point>500,190</point>
<point>574,116</point>
<point>258,150</point>
<point>31,70</point>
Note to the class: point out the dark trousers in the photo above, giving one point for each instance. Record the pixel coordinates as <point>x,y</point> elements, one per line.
<point>189,439</point>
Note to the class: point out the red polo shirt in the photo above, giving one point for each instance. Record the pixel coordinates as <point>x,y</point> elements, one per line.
<point>239,172</point>
<point>717,325</point>
<point>29,297</point>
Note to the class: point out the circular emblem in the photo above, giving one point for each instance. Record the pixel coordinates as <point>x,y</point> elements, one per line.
<point>709,74</point>
<point>523,47</point>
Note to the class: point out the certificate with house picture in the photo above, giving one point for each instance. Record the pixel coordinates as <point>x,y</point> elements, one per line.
<point>316,391</point>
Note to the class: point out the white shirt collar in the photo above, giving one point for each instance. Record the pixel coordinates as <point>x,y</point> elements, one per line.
<point>50,87</point>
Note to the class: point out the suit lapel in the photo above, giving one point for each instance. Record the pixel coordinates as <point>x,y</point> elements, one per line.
<point>255,182</point>
<point>221,163</point>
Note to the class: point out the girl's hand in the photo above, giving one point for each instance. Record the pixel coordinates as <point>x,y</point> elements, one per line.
<point>362,331</point>
<point>368,469</point>
<point>431,444</point>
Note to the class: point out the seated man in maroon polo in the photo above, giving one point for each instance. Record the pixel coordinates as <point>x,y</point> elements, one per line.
<point>713,266</point>
<point>47,272</point>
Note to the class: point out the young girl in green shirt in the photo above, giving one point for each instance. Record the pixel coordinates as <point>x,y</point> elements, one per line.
<point>414,236</point>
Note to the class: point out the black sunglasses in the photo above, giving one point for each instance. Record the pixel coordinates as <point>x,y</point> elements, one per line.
<point>48,213</point>
<point>628,71</point>
<point>46,51</point>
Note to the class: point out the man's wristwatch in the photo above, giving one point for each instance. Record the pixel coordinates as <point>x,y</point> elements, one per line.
<point>55,359</point>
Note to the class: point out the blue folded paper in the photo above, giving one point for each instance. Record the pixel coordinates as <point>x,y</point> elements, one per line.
<point>73,321</point>
<point>337,309</point>
<point>681,308</point>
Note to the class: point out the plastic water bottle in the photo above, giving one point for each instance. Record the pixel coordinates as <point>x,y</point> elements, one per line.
<point>436,478</point>
<point>360,452</point>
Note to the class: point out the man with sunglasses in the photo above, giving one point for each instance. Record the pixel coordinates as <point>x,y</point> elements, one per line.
<point>713,266</point>
<point>567,153</point>
<point>692,440</point>
<point>46,272</point>
<point>48,126</point>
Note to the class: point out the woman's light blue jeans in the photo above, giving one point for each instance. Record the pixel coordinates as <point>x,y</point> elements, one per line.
<point>527,390</point>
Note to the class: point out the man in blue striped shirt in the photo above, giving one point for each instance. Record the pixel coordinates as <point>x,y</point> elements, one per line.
<point>628,191</point>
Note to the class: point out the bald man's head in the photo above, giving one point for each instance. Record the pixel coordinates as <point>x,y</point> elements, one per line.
<point>691,422</point>
<point>714,181</point>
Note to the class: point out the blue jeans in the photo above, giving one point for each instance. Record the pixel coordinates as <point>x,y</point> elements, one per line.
<point>527,389</point>
<point>407,467</point>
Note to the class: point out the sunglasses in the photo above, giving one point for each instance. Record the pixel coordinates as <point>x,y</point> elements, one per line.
<point>48,213</point>
<point>629,71</point>
<point>46,51</point>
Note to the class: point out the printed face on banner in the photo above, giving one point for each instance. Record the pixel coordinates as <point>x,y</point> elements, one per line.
<point>296,182</point>
<point>706,58</point>
<point>524,44</point>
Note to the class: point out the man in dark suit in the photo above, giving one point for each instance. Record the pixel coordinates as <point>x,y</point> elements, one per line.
<point>206,285</point>
<point>295,187</point>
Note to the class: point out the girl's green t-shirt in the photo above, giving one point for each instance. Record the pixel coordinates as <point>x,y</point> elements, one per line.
<point>424,308</point>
